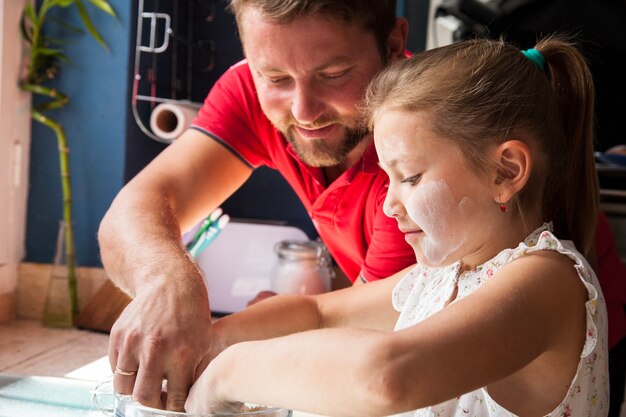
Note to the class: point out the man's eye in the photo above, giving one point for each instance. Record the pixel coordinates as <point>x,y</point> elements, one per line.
<point>412,180</point>
<point>277,80</point>
<point>335,75</point>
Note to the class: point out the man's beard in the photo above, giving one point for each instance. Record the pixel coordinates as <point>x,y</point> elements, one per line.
<point>318,153</point>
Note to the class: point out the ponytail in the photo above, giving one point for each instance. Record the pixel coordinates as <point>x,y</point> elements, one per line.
<point>571,194</point>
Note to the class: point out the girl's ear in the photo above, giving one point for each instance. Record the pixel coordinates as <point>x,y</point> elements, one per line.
<point>396,42</point>
<point>515,164</point>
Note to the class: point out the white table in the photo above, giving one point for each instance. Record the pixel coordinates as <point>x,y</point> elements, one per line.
<point>36,396</point>
<point>42,396</point>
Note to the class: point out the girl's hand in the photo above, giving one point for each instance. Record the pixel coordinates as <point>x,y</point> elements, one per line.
<point>203,407</point>
<point>204,395</point>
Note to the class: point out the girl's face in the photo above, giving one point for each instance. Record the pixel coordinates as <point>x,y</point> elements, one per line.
<point>446,211</point>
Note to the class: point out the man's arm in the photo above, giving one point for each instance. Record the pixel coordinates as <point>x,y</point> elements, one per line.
<point>189,179</point>
<point>163,333</point>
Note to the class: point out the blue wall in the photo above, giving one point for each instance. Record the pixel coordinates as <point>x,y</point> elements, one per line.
<point>95,122</point>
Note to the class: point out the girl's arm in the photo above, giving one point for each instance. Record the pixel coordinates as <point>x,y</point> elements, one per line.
<point>328,371</point>
<point>365,306</point>
<point>533,307</point>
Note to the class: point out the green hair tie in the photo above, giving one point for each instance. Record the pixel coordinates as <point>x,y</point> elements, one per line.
<point>535,56</point>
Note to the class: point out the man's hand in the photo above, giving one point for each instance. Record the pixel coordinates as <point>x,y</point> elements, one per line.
<point>163,334</point>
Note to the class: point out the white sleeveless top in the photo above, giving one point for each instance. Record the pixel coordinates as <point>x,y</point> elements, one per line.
<point>424,291</point>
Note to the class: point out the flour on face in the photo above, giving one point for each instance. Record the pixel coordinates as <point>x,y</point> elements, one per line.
<point>435,210</point>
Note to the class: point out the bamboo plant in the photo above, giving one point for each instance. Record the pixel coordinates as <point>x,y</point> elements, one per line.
<point>45,57</point>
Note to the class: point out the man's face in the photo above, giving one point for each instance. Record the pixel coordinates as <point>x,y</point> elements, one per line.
<point>309,75</point>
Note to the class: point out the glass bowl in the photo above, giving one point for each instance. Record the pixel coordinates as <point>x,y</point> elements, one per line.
<point>112,404</point>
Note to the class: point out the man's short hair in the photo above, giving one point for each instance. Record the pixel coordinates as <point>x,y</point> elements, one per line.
<point>378,16</point>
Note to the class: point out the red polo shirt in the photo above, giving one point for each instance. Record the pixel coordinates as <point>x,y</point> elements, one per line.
<point>612,276</point>
<point>347,213</point>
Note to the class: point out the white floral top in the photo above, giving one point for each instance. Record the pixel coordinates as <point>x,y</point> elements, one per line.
<point>424,291</point>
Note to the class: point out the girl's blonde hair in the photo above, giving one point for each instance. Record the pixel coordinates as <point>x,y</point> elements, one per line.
<point>481,93</point>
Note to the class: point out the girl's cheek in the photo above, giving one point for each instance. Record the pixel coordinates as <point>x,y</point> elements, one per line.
<point>439,215</point>
<point>429,206</point>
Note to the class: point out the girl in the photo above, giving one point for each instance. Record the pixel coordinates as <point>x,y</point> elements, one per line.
<point>492,180</point>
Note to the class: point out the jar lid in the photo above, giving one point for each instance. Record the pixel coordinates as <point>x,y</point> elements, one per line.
<point>299,249</point>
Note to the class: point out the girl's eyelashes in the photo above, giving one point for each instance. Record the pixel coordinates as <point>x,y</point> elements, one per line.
<point>413,180</point>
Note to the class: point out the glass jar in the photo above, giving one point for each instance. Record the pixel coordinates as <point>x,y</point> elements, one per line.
<point>302,267</point>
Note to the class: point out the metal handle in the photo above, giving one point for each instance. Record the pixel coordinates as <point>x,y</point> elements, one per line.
<point>154,17</point>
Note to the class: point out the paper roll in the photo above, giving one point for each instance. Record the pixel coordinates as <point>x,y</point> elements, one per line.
<point>169,120</point>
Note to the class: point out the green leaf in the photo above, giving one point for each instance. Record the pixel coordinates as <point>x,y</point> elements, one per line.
<point>56,41</point>
<point>89,25</point>
<point>30,12</point>
<point>63,57</point>
<point>51,53</point>
<point>64,24</point>
<point>104,6</point>
<point>62,3</point>
<point>26,29</point>
<point>47,51</point>
<point>24,32</point>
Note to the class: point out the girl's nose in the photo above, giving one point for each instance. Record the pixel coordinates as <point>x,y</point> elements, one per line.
<point>392,206</point>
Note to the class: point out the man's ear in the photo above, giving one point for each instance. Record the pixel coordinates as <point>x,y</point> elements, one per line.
<point>396,43</point>
<point>514,161</point>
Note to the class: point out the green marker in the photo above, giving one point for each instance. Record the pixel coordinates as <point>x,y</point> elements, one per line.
<point>211,218</point>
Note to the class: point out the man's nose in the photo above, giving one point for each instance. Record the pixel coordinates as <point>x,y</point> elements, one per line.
<point>307,103</point>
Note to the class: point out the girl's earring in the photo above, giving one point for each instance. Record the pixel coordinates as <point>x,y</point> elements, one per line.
<point>503,208</point>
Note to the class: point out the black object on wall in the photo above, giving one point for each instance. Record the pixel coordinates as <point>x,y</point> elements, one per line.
<point>202,46</point>
<point>597,26</point>
<point>416,12</point>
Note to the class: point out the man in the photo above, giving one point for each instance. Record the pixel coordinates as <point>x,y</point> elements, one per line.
<point>291,106</point>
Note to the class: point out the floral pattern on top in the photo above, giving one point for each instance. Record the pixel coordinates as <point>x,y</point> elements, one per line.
<point>425,291</point>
